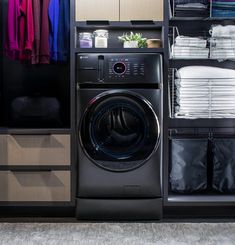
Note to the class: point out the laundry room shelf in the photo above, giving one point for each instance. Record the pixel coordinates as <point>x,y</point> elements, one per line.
<point>200,19</point>
<point>27,168</point>
<point>175,63</point>
<point>208,11</point>
<point>123,25</point>
<point>202,123</point>
<point>119,50</point>
<point>42,131</point>
<point>199,200</point>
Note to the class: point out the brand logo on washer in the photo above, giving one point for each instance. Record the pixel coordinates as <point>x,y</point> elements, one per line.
<point>83,57</point>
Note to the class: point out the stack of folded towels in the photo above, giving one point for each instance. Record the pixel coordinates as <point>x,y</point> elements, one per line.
<point>223,8</point>
<point>222,42</point>
<point>190,48</point>
<point>204,92</point>
<point>191,8</point>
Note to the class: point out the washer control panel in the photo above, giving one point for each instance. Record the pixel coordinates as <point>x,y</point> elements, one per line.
<point>119,68</point>
<point>126,68</point>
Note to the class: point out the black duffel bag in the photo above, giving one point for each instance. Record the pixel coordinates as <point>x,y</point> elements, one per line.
<point>35,111</point>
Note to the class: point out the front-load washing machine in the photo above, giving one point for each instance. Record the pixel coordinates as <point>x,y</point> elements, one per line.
<point>119,136</point>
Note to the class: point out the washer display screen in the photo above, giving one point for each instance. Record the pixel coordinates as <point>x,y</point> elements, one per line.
<point>119,68</point>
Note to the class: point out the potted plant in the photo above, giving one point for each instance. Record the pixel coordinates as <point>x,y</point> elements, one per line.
<point>133,40</point>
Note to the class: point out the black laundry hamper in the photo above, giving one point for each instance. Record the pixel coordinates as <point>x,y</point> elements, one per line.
<point>188,165</point>
<point>224,165</point>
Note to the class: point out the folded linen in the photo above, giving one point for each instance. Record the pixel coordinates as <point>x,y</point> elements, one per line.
<point>223,13</point>
<point>222,54</point>
<point>204,92</point>
<point>205,72</point>
<point>191,1</point>
<point>223,43</point>
<point>190,41</point>
<point>223,4</point>
<point>192,5</point>
<point>224,1</point>
<point>189,52</point>
<point>193,12</point>
<point>190,115</point>
<point>223,31</point>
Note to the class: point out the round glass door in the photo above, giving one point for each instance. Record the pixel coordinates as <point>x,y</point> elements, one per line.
<point>119,131</point>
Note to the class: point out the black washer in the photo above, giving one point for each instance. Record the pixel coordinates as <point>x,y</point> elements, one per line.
<point>119,131</point>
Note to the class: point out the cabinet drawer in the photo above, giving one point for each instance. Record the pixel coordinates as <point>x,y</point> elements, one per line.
<point>51,186</point>
<point>97,10</point>
<point>35,150</point>
<point>141,10</point>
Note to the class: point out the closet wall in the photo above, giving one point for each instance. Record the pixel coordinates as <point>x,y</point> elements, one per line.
<point>35,159</point>
<point>32,80</point>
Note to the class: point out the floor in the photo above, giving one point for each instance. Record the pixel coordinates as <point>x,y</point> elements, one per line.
<point>117,233</point>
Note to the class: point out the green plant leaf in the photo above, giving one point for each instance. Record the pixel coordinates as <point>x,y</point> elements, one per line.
<point>142,42</point>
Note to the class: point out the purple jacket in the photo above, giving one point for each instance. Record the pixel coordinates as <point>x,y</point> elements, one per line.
<point>37,31</point>
<point>12,30</point>
<point>44,39</point>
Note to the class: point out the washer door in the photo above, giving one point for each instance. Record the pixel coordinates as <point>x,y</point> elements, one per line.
<point>119,131</point>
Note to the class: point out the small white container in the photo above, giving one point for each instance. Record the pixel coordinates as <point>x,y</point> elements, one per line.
<point>101,38</point>
<point>130,44</point>
<point>85,40</point>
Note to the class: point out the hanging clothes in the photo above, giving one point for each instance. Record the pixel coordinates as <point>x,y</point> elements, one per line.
<point>12,29</point>
<point>37,31</point>
<point>54,24</point>
<point>63,31</point>
<point>26,30</point>
<point>44,40</point>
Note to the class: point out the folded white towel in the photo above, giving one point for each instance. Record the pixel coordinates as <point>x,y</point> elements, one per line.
<point>205,92</point>
<point>192,5</point>
<point>223,31</point>
<point>189,52</point>
<point>223,43</point>
<point>206,72</point>
<point>194,83</point>
<point>190,41</point>
<point>222,54</point>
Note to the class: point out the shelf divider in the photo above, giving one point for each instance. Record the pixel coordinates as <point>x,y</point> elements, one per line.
<point>119,50</point>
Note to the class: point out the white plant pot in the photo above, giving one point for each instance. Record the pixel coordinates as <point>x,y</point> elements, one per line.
<point>130,44</point>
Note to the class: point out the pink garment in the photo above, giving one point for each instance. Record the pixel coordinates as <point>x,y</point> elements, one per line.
<point>26,30</point>
<point>37,31</point>
<point>44,40</point>
<point>12,30</point>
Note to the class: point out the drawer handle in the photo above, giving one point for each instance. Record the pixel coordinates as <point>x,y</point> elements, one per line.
<point>142,22</point>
